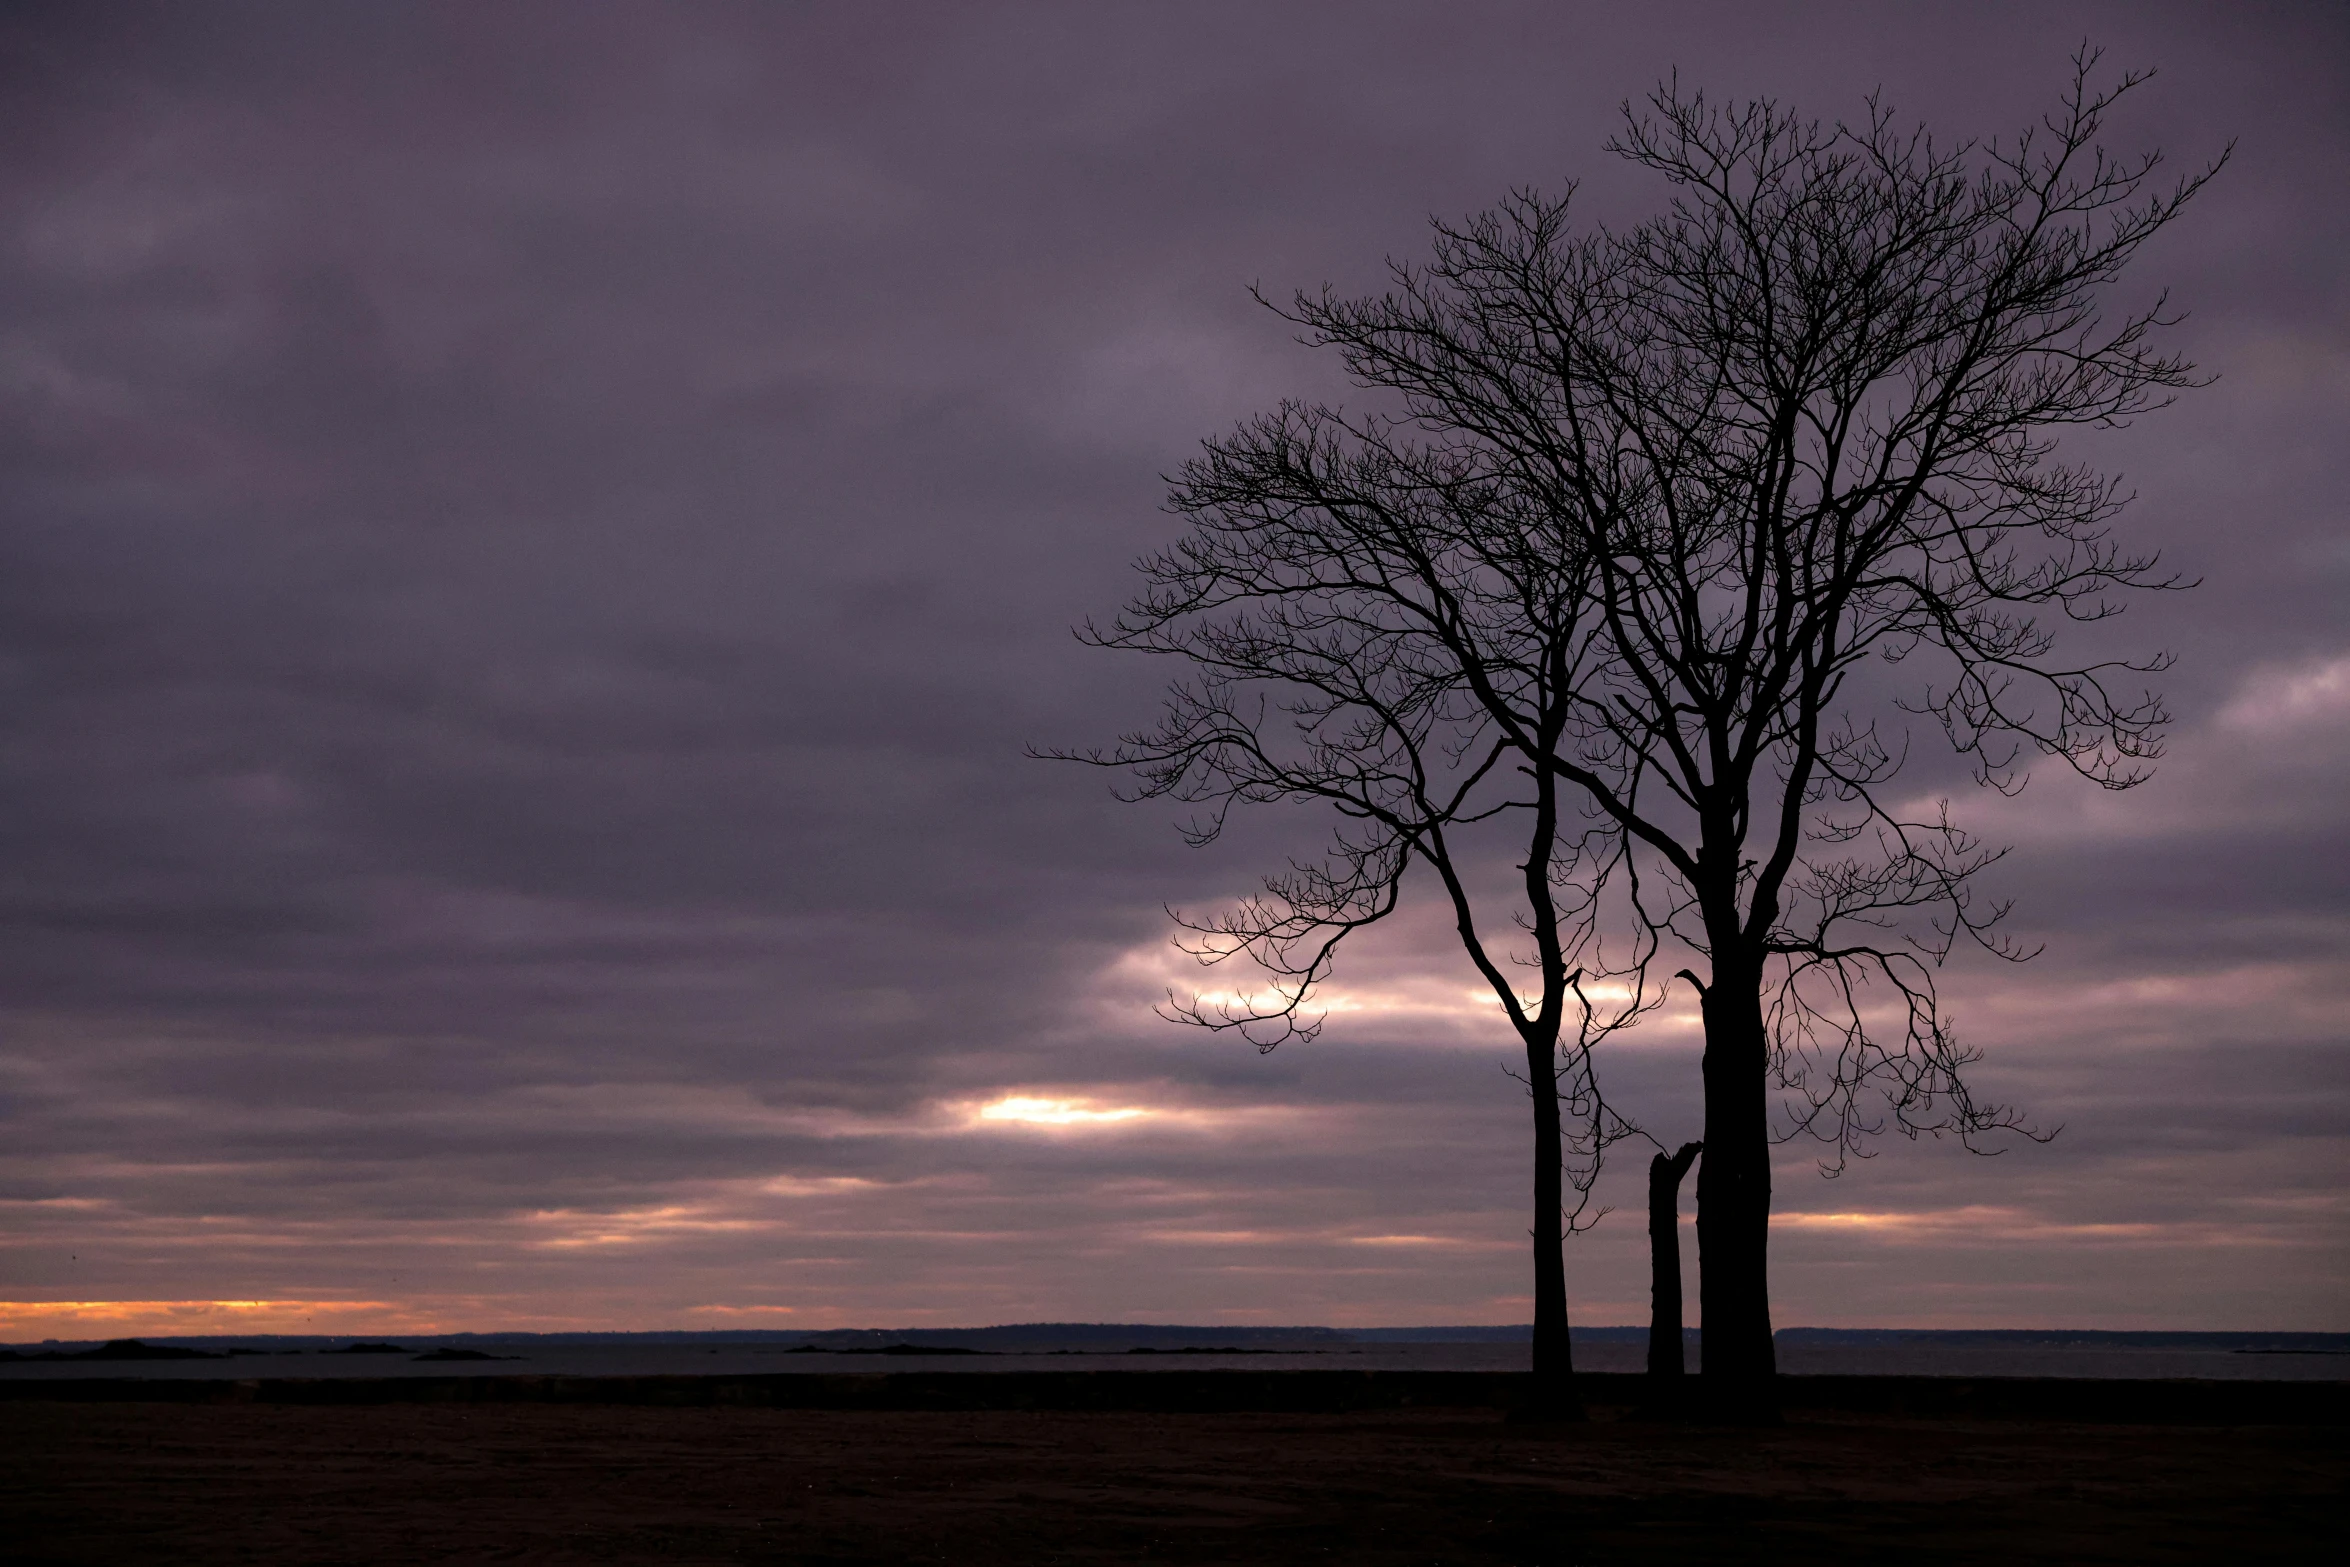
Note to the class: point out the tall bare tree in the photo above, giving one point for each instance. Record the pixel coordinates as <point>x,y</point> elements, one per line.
<point>1617,568</point>
<point>1355,607</point>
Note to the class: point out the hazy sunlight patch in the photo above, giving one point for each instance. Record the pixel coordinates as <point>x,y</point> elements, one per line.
<point>631,1226</point>
<point>1969,1223</point>
<point>2276,699</point>
<point>1031,1110</point>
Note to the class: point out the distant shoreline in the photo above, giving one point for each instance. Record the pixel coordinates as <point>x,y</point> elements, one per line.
<point>1118,1337</point>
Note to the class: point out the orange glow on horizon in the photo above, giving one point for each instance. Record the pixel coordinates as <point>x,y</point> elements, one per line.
<point>26,1320</point>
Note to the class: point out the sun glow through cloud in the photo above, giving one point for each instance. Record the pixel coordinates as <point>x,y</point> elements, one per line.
<point>1056,1109</point>
<point>1032,1110</point>
<point>1418,996</point>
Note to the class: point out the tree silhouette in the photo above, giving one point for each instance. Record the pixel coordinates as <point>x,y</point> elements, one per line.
<point>1665,1172</point>
<point>1654,533</point>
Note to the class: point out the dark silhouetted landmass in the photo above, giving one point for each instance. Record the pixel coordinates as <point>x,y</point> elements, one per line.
<point>2074,1338</point>
<point>128,1349</point>
<point>886,1349</point>
<point>1504,1333</point>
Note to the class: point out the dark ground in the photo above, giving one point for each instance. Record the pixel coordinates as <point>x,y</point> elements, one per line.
<point>114,1482</point>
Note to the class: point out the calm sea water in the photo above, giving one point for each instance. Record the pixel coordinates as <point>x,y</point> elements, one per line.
<point>670,1359</point>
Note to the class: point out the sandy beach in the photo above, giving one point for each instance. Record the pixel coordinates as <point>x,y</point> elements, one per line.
<point>119,1479</point>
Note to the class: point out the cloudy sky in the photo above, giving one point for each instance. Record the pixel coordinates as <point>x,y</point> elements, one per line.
<point>532,540</point>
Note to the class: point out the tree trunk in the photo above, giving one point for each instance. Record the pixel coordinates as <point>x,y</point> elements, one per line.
<point>1740,1366</point>
<point>1664,1262</point>
<point>1554,1394</point>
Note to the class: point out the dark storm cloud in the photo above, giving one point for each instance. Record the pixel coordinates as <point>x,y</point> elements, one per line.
<point>533,540</point>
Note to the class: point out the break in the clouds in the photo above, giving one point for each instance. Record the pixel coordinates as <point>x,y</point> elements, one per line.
<point>532,538</point>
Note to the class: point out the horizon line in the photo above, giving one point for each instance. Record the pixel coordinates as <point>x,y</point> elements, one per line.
<point>1617,1330</point>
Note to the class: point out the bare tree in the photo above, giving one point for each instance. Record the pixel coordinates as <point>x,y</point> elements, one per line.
<point>1377,596</point>
<point>1618,570</point>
